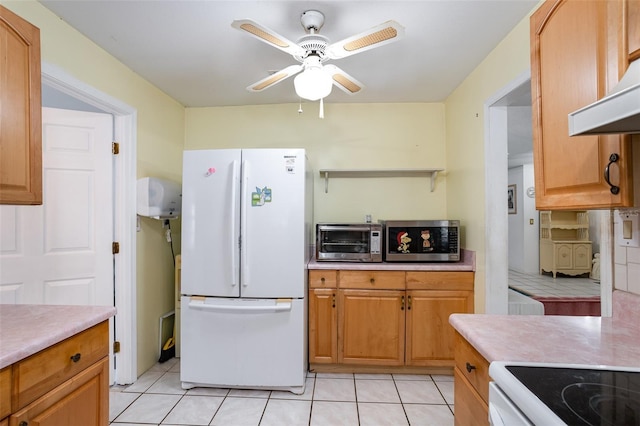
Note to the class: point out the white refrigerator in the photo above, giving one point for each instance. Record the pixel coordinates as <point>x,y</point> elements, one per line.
<point>247,233</point>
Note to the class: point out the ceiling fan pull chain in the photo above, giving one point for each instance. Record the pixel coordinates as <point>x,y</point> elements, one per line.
<point>321,108</point>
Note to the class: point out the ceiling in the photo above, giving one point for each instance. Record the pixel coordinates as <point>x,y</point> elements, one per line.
<point>189,50</point>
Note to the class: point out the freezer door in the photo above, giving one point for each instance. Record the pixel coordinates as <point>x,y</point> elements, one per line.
<point>211,222</point>
<point>243,343</point>
<point>273,223</point>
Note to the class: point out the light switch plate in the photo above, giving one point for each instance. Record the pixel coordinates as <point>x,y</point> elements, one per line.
<point>628,229</point>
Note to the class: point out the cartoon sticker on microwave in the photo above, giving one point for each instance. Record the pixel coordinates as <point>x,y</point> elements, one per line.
<point>403,242</point>
<point>260,197</point>
<point>426,240</point>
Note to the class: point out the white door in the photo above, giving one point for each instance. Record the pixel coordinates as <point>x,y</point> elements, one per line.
<point>273,223</point>
<point>211,222</point>
<point>60,252</point>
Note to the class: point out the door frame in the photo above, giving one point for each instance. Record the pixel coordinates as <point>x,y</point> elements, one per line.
<point>496,240</point>
<point>124,176</point>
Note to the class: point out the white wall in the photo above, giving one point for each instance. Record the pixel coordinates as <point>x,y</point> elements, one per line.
<point>523,235</point>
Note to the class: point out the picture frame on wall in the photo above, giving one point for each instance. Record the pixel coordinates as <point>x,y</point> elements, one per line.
<point>512,201</point>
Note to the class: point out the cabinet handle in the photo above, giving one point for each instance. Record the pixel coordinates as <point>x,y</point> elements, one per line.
<point>333,300</point>
<point>322,280</point>
<point>612,159</point>
<point>76,357</point>
<point>402,304</point>
<point>409,303</point>
<point>470,367</point>
<point>23,423</point>
<point>372,281</point>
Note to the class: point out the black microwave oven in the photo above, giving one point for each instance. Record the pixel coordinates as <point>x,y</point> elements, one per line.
<point>421,240</point>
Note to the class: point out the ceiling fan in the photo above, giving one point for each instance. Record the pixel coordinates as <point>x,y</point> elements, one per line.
<point>312,50</point>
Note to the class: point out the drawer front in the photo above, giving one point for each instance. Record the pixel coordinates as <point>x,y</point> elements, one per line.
<point>470,409</point>
<point>36,375</point>
<point>323,279</point>
<point>372,280</point>
<point>5,392</point>
<point>473,366</point>
<point>439,280</point>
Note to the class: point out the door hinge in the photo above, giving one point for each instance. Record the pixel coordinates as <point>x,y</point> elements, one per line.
<point>115,148</point>
<point>115,247</point>
<point>116,347</point>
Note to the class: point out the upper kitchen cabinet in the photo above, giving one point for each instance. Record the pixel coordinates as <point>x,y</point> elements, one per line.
<point>578,53</point>
<point>21,112</point>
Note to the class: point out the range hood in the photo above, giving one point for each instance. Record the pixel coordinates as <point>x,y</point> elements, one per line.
<point>618,112</point>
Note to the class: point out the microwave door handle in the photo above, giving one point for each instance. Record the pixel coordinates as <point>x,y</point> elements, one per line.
<point>234,219</point>
<point>244,205</point>
<point>344,228</point>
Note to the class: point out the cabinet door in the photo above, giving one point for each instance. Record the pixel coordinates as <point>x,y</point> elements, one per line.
<point>582,256</point>
<point>563,256</point>
<point>430,337</point>
<point>571,67</point>
<point>81,400</point>
<point>371,327</point>
<point>21,123</point>
<point>323,319</point>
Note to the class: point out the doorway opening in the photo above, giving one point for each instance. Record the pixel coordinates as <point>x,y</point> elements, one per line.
<point>56,80</point>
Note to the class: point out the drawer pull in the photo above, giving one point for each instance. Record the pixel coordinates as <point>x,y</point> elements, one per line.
<point>372,281</point>
<point>322,280</point>
<point>23,423</point>
<point>470,367</point>
<point>76,357</point>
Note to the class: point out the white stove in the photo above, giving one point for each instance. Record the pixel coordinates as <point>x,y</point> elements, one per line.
<point>547,394</point>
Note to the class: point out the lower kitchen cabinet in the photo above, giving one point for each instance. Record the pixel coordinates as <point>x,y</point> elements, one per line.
<point>471,385</point>
<point>65,384</point>
<point>430,337</point>
<point>371,327</point>
<point>323,319</point>
<point>386,319</point>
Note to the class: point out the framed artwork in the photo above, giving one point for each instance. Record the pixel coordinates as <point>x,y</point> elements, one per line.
<point>512,205</point>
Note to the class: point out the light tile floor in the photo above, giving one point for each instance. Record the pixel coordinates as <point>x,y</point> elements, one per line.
<point>329,400</point>
<point>546,286</point>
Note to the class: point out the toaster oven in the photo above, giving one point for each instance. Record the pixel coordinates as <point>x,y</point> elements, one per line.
<point>349,242</point>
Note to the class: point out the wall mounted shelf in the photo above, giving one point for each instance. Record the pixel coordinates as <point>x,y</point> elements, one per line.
<point>376,173</point>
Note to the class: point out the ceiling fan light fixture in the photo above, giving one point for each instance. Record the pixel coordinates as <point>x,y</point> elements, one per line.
<point>313,83</point>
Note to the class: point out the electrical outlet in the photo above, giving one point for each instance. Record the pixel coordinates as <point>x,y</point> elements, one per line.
<point>628,229</point>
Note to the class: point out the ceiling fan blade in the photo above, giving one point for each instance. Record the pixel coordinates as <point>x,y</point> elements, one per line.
<point>343,80</point>
<point>268,36</point>
<point>274,78</point>
<point>377,36</point>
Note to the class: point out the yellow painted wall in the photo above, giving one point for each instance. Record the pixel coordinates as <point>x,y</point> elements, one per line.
<point>465,141</point>
<point>352,136</point>
<point>160,137</point>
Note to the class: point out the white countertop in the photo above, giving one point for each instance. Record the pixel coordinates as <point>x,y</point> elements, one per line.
<point>559,339</point>
<point>468,263</point>
<point>27,329</point>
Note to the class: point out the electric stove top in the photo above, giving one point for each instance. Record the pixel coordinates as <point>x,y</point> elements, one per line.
<point>571,394</point>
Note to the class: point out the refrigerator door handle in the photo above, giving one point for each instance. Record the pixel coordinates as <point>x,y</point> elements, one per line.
<point>280,306</point>
<point>234,238</point>
<point>244,205</point>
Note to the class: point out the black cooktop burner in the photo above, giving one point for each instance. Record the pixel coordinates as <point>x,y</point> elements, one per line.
<point>585,396</point>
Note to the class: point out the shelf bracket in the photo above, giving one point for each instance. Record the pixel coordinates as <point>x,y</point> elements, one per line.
<point>326,182</point>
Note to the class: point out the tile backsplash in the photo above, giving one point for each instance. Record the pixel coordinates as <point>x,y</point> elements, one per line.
<point>626,264</point>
